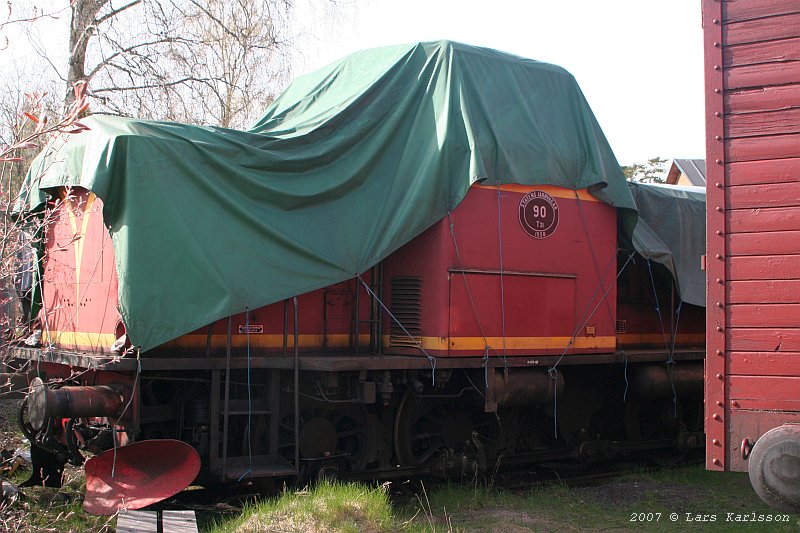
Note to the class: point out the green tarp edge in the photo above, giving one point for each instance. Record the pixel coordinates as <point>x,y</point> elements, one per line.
<point>350,163</point>
<point>671,231</point>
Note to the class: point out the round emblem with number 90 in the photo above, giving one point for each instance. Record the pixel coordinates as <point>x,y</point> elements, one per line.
<point>538,214</point>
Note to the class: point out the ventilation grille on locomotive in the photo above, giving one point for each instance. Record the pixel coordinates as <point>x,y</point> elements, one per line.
<point>407,308</point>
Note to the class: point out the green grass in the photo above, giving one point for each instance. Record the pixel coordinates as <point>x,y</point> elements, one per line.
<point>619,505</point>
<point>48,509</point>
<point>329,506</point>
<point>355,507</point>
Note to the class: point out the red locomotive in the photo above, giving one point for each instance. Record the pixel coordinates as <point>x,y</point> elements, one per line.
<point>511,325</point>
<point>752,379</point>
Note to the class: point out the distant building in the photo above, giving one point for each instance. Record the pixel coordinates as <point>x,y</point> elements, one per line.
<point>687,172</point>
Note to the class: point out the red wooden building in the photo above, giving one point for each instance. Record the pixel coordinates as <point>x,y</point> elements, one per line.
<point>752,63</point>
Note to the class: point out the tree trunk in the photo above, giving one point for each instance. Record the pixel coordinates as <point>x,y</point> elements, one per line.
<point>82,27</point>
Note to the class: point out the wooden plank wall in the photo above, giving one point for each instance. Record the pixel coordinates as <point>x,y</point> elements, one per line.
<point>756,176</point>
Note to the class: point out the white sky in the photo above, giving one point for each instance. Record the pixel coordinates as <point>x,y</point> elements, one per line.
<point>639,62</point>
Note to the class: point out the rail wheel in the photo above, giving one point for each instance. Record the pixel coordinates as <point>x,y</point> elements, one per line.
<point>340,434</point>
<point>654,420</point>
<point>427,427</point>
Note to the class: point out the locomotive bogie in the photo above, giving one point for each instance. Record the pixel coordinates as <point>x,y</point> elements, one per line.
<point>389,422</point>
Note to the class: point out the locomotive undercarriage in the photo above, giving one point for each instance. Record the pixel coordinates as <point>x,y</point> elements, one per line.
<point>371,422</point>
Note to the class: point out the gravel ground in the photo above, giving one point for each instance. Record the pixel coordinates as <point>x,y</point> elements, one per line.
<point>680,498</point>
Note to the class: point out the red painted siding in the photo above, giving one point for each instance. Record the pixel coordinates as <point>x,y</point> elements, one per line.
<point>716,414</point>
<point>752,50</point>
<point>785,121</point>
<point>760,220</point>
<point>548,288</point>
<point>766,28</point>
<point>762,99</point>
<point>761,148</point>
<point>760,196</point>
<point>738,10</point>
<point>767,315</point>
<point>755,339</point>
<point>776,243</point>
<point>765,363</point>
<point>753,292</point>
<point>763,52</point>
<point>760,172</point>
<point>765,267</point>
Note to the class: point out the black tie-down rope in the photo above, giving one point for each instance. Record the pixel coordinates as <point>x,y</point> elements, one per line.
<point>587,315</point>
<point>670,349</point>
<point>431,359</point>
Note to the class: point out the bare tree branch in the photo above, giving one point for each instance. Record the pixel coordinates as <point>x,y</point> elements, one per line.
<point>161,84</point>
<point>131,49</point>
<point>36,16</point>
<point>116,12</point>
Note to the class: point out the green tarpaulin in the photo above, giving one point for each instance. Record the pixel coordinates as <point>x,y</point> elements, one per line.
<point>347,165</point>
<point>671,230</point>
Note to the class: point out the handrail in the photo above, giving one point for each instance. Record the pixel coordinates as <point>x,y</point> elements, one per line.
<point>296,392</point>
<point>226,409</point>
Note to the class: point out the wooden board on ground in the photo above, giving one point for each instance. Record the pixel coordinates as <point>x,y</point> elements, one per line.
<point>178,522</point>
<point>137,522</point>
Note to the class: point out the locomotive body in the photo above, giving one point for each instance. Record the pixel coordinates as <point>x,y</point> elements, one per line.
<point>752,378</point>
<point>516,325</point>
<point>440,319</point>
<point>444,287</point>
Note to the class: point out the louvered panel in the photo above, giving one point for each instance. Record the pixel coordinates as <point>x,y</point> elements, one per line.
<point>407,309</point>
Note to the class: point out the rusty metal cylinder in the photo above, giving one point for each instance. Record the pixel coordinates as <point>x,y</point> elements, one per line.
<point>526,386</point>
<point>71,402</point>
<point>660,381</point>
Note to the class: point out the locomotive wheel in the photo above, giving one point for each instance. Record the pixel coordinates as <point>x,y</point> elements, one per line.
<point>340,431</point>
<point>656,420</point>
<point>425,426</point>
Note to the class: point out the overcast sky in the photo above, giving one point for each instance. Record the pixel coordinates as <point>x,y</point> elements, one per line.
<point>639,62</point>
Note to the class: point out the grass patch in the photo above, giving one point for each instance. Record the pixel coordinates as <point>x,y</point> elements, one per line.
<point>548,508</point>
<point>48,509</point>
<point>329,506</point>
<point>632,502</point>
<point>697,499</point>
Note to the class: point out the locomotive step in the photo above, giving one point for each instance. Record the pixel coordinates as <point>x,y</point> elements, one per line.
<point>262,465</point>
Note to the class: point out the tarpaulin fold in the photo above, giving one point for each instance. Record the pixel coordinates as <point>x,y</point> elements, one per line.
<point>671,230</point>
